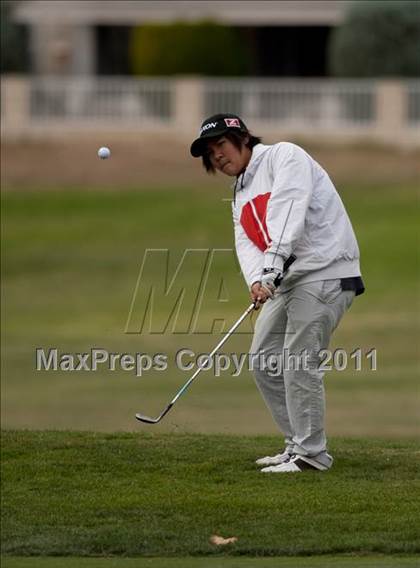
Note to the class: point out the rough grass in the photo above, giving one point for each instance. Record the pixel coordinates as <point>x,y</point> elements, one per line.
<point>83,494</point>
<point>219,562</point>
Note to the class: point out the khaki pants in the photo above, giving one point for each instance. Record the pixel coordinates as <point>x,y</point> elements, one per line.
<point>290,331</point>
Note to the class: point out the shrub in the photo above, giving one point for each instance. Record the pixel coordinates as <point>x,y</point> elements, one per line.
<point>377,39</point>
<point>204,48</point>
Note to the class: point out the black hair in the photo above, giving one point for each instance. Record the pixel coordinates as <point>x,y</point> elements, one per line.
<point>237,139</point>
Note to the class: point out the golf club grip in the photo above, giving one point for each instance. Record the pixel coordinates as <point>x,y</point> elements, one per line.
<point>287,264</point>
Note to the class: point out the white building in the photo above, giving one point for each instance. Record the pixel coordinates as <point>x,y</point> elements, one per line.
<point>64,33</point>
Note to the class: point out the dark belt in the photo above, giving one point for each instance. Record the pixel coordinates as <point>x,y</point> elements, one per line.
<point>354,283</point>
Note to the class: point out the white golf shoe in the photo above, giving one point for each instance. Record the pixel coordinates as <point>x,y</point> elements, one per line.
<point>274,460</point>
<point>295,464</point>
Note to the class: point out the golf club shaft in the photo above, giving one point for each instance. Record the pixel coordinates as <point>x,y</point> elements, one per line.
<point>149,420</point>
<point>218,346</point>
<point>249,309</point>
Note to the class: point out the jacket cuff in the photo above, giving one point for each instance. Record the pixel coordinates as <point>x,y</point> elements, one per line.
<point>255,277</point>
<point>273,260</point>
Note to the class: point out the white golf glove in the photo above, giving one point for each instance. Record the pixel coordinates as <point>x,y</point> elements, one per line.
<point>270,275</point>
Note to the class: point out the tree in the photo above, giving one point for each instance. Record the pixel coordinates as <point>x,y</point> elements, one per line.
<point>14,42</point>
<point>205,48</point>
<point>377,39</point>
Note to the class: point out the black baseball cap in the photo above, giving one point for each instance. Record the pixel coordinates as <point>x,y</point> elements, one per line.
<point>214,126</point>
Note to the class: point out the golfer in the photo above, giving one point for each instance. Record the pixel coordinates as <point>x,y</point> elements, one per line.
<point>285,207</point>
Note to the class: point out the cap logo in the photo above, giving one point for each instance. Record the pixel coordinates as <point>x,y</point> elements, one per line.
<point>232,122</point>
<point>207,126</point>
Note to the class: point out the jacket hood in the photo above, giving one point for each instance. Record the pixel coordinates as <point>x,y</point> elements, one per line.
<point>258,152</point>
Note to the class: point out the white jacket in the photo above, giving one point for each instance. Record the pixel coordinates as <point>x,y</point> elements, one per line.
<point>285,203</point>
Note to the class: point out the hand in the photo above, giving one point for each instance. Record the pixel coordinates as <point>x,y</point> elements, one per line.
<point>259,294</point>
<point>270,280</point>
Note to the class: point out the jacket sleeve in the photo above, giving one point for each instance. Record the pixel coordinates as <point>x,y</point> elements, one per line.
<point>249,256</point>
<point>290,196</point>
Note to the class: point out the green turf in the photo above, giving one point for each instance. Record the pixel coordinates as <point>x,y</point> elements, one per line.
<point>301,562</point>
<point>70,265</point>
<point>82,494</point>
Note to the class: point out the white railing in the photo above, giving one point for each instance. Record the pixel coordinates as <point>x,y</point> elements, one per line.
<point>91,99</point>
<point>321,104</point>
<point>117,99</point>
<point>413,103</point>
<point>382,110</point>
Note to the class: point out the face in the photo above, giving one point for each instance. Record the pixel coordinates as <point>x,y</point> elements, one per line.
<point>226,158</point>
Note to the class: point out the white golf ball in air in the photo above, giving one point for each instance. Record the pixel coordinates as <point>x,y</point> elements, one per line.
<point>104,153</point>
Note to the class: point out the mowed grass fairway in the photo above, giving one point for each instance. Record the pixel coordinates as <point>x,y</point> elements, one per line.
<point>71,261</point>
<point>165,495</point>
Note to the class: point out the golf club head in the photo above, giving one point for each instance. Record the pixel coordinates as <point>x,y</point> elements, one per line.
<point>147,419</point>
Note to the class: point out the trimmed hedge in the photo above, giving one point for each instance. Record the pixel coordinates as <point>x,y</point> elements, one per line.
<point>205,48</point>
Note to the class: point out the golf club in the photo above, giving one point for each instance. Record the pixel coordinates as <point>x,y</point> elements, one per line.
<point>149,420</point>
<point>250,308</point>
